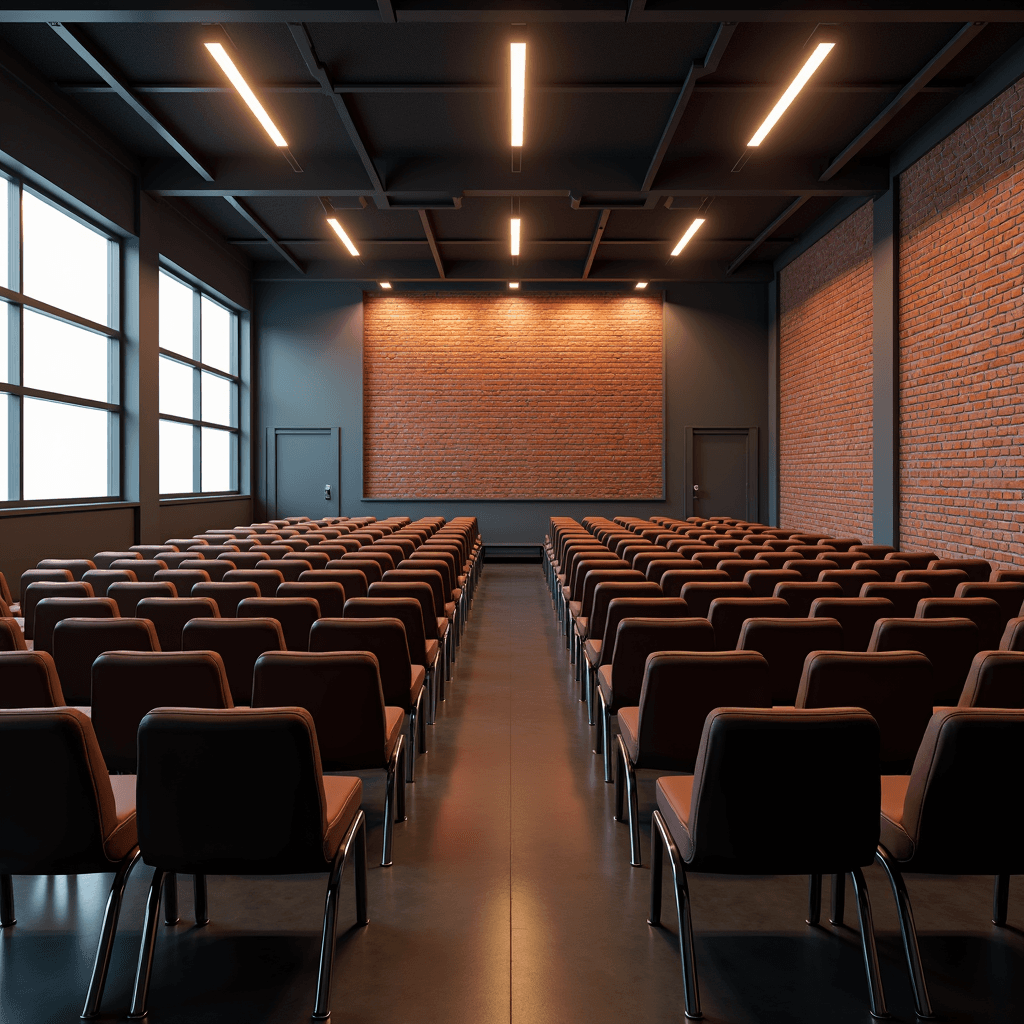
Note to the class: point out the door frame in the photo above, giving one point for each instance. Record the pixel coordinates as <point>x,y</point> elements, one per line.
<point>273,433</point>
<point>751,434</point>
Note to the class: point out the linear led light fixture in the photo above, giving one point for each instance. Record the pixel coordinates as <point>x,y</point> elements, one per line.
<point>515,235</point>
<point>513,284</point>
<point>821,51</point>
<point>386,285</point>
<point>517,58</point>
<point>690,232</point>
<point>640,285</point>
<point>340,232</point>
<point>227,65</point>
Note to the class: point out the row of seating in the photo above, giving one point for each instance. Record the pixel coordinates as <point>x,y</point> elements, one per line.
<point>205,723</point>
<point>704,675</point>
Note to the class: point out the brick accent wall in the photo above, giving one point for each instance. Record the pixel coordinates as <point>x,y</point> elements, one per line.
<point>825,405</point>
<point>961,316</point>
<point>513,396</point>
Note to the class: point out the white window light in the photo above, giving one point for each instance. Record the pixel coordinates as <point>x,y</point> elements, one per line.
<point>821,51</point>
<point>690,232</point>
<point>227,65</point>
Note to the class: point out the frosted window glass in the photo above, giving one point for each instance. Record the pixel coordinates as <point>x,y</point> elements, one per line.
<point>175,458</point>
<point>216,459</point>
<point>5,188</point>
<point>176,315</point>
<point>218,400</point>
<point>176,383</point>
<point>64,263</point>
<point>5,326</point>
<point>4,496</point>
<point>65,358</point>
<point>64,450</point>
<point>217,335</point>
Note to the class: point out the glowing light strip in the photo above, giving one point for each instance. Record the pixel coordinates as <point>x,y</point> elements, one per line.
<point>515,236</point>
<point>220,55</point>
<point>518,62</point>
<point>690,232</point>
<point>821,51</point>
<point>340,231</point>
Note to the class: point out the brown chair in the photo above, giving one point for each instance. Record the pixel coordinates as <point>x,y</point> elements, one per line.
<point>620,682</point>
<point>714,558</point>
<point>856,615</point>
<point>904,596</point>
<point>183,579</point>
<point>127,684</point>
<point>330,597</point>
<point>785,645</point>
<point>1013,636</point>
<point>227,595</point>
<point>78,642</point>
<point>680,689</point>
<point>367,566</point>
<point>762,582</point>
<point>28,679</point>
<point>51,610</point>
<point>66,816</point>
<point>250,799</point>
<point>949,644</point>
<point>800,595</point>
<point>154,550</point>
<point>268,580</point>
<point>5,591</point>
<point>897,688</point>
<point>968,762</point>
<point>11,636</point>
<point>942,581</point>
<point>915,559</point>
<point>1007,576</point>
<point>851,580</point>
<point>845,559</point>
<point>309,558</point>
<point>403,682</point>
<point>37,590</point>
<point>736,815</point>
<point>737,568</point>
<point>355,730</point>
<point>996,680</point>
<point>888,569</point>
<point>698,596</point>
<point>978,569</point>
<point>169,615</point>
<point>239,642</point>
<point>145,569</point>
<point>184,543</point>
<point>246,559</point>
<point>657,567</point>
<point>213,550</point>
<point>101,579</point>
<point>873,551</point>
<point>128,595</point>
<point>982,611</point>
<point>728,614</point>
<point>296,615</point>
<point>436,628</point>
<point>1009,595</point>
<point>215,568</point>
<point>105,559</point>
<point>382,558</point>
<point>353,581</point>
<point>673,581</point>
<point>810,569</point>
<point>78,567</point>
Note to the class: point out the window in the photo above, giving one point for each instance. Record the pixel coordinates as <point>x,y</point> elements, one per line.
<point>198,391</point>
<point>60,391</point>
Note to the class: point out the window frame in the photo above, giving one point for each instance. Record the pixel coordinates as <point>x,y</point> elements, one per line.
<point>15,302</point>
<point>198,368</point>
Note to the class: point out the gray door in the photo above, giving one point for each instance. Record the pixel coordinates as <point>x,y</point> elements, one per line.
<point>303,472</point>
<point>722,477</point>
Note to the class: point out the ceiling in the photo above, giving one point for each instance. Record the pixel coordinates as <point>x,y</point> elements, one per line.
<point>637,115</point>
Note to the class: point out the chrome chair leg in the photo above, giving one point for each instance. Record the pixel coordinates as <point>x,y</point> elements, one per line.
<point>1000,900</point>
<point>109,928</point>
<point>627,773</point>
<point>412,748</point>
<point>838,900</point>
<point>145,968</point>
<point>390,802</point>
<point>7,917</point>
<point>908,932</point>
<point>400,814</point>
<point>200,900</point>
<point>171,899</point>
<point>606,740</point>
<point>813,899</point>
<point>876,995</point>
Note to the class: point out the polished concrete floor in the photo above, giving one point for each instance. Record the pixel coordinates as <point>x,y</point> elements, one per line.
<point>511,897</point>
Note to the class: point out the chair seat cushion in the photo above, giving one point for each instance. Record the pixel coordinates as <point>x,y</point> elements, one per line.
<point>575,608</point>
<point>342,795</point>
<point>629,729</point>
<point>892,835</point>
<point>419,678</point>
<point>442,626</point>
<point>592,649</point>
<point>449,610</point>
<point>432,650</point>
<point>125,834</point>
<point>581,626</point>
<point>604,684</point>
<point>394,719</point>
<point>675,793</point>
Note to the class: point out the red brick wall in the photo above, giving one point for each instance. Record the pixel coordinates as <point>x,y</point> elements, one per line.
<point>961,317</point>
<point>825,338</point>
<point>513,396</point>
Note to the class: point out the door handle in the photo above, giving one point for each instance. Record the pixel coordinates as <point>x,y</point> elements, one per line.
<point>327,492</point>
<point>696,488</point>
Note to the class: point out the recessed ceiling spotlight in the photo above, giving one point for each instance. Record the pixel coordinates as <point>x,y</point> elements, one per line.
<point>821,51</point>
<point>227,65</point>
<point>513,284</point>
<point>517,58</point>
<point>340,232</point>
<point>386,285</point>
<point>690,232</point>
<point>515,235</point>
<point>641,285</point>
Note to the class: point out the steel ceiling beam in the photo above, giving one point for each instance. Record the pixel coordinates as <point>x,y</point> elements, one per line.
<point>317,70</point>
<point>82,49</point>
<point>697,70</point>
<point>906,94</point>
<point>267,234</point>
<point>602,223</point>
<point>387,11</point>
<point>432,242</point>
<point>763,237</point>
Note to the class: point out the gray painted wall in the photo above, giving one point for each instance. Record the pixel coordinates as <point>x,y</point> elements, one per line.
<point>308,350</point>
